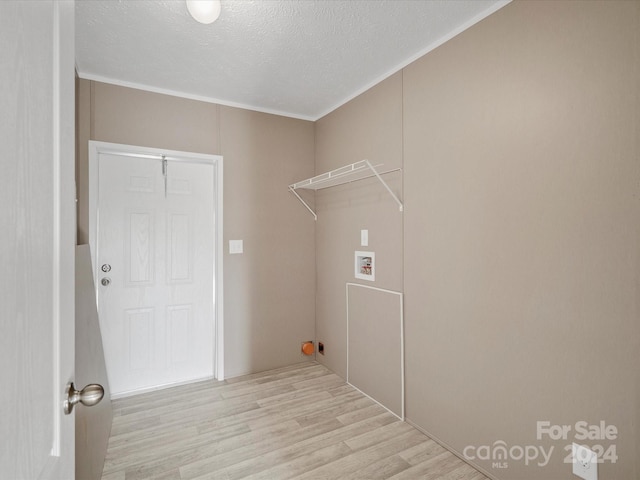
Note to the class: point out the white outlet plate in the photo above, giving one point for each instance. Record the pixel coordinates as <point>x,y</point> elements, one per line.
<point>236,246</point>
<point>364,238</point>
<point>585,462</point>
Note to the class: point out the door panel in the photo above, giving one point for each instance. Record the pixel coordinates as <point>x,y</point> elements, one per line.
<point>37,238</point>
<point>93,425</point>
<point>157,311</point>
<point>139,333</point>
<point>179,248</point>
<point>139,247</point>
<point>180,332</point>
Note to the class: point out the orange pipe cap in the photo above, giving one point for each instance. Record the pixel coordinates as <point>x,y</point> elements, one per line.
<point>307,348</point>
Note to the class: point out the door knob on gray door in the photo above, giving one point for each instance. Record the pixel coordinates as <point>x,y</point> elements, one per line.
<point>88,396</point>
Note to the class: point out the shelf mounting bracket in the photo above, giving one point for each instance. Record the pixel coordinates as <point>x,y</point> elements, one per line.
<point>293,190</point>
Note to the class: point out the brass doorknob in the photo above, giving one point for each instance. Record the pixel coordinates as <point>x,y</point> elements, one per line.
<point>88,396</point>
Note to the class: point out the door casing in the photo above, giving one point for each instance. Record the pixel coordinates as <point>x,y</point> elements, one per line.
<point>97,148</point>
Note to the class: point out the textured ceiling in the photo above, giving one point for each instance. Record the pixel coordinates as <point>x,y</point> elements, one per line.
<point>300,58</point>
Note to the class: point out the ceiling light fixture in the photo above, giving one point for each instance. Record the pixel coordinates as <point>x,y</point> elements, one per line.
<point>204,11</point>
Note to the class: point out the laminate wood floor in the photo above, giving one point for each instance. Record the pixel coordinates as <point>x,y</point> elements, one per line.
<point>298,422</point>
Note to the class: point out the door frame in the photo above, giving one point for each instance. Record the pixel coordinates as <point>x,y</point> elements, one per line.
<point>95,149</point>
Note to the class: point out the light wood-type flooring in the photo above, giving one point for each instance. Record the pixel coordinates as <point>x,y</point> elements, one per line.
<point>299,422</point>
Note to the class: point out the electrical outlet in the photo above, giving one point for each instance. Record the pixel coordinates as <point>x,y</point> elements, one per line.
<point>585,462</point>
<point>235,246</point>
<point>364,238</point>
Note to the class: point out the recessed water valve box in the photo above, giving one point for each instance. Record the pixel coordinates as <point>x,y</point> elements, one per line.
<point>365,265</point>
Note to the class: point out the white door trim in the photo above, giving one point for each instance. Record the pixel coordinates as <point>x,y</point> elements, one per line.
<point>97,148</point>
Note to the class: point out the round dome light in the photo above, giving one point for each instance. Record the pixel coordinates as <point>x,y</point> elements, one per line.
<point>204,11</point>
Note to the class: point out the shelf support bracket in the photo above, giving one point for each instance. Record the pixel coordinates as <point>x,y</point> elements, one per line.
<point>400,207</point>
<point>292,190</point>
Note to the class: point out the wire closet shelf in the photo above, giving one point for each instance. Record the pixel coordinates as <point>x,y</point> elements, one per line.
<point>349,173</point>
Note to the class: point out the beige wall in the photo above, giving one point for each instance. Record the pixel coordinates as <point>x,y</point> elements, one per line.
<point>368,127</point>
<point>520,259</point>
<point>269,290</point>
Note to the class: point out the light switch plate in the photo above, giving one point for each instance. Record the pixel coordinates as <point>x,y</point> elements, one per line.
<point>585,462</point>
<point>235,246</point>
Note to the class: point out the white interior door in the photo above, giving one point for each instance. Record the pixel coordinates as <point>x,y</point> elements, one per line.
<point>155,262</point>
<point>37,238</point>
